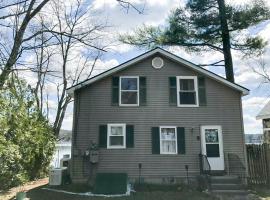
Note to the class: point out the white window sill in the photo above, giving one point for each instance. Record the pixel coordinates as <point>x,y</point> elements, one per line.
<point>116,147</point>
<point>187,106</point>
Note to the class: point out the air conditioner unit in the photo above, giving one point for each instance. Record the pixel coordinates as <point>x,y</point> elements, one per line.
<point>55,177</point>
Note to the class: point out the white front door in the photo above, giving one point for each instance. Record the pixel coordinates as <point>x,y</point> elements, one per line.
<point>212,146</point>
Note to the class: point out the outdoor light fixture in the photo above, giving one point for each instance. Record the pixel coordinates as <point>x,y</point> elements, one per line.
<point>186,167</point>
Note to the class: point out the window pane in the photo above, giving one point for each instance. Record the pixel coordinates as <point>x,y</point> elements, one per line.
<point>187,84</point>
<point>129,97</point>
<point>117,130</point>
<point>212,150</point>
<point>266,123</point>
<point>116,141</point>
<point>211,135</point>
<point>266,137</point>
<point>187,97</point>
<point>129,83</point>
<point>168,133</point>
<point>168,147</point>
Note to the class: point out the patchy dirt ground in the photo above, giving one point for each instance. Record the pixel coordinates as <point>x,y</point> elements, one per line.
<point>11,193</point>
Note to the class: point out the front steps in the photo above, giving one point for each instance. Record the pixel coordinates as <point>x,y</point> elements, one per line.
<point>228,186</point>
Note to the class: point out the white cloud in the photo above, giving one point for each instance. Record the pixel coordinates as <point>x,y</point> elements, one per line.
<point>254,103</point>
<point>251,108</point>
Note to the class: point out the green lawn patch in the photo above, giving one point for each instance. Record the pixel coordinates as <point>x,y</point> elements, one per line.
<point>110,183</point>
<point>261,190</point>
<point>39,194</point>
<point>146,187</point>
<point>76,188</point>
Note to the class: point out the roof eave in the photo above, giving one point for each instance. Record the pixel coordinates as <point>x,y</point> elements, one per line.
<point>263,117</point>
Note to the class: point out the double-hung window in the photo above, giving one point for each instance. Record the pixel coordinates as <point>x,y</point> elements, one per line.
<point>129,91</point>
<point>116,137</point>
<point>187,91</point>
<point>168,140</point>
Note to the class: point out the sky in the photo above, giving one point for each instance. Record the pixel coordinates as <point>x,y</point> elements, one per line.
<point>155,13</point>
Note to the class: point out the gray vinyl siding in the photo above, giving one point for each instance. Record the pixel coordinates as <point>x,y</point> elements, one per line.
<point>93,108</point>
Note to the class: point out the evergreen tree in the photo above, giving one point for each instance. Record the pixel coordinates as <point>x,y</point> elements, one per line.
<point>204,25</point>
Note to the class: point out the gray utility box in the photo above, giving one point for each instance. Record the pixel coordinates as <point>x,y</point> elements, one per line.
<point>94,156</point>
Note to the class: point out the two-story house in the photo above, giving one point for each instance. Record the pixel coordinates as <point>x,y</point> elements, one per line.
<point>154,115</point>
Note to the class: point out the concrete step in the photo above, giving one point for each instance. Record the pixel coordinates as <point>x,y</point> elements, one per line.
<point>240,192</point>
<point>232,197</point>
<point>225,179</point>
<point>226,186</point>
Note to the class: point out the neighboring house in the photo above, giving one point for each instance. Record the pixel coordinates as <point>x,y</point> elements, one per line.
<point>157,112</point>
<point>63,147</point>
<point>254,138</point>
<point>264,115</point>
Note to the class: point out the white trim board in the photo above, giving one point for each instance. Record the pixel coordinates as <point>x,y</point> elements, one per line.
<point>168,55</point>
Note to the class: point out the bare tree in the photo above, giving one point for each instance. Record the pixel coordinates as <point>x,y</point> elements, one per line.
<point>22,12</point>
<point>127,5</point>
<point>67,50</point>
<point>43,56</point>
<point>262,69</point>
<point>67,43</point>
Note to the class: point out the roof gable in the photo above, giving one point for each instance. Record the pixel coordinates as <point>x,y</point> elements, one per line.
<point>265,112</point>
<point>167,54</point>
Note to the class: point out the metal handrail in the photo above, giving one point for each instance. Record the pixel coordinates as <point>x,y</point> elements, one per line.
<point>205,167</point>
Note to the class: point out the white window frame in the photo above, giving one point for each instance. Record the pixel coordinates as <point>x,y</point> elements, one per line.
<point>160,140</point>
<point>109,135</point>
<point>120,91</point>
<point>178,78</point>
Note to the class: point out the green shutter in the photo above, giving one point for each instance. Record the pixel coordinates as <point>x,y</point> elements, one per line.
<point>142,88</point>
<point>155,140</point>
<point>115,91</point>
<point>172,91</point>
<point>103,136</point>
<point>181,143</point>
<point>129,136</point>
<point>202,91</point>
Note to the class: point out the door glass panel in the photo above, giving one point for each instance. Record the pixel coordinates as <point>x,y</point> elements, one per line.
<point>211,135</point>
<point>212,150</point>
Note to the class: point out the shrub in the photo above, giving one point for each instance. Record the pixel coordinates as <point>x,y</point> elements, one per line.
<point>26,138</point>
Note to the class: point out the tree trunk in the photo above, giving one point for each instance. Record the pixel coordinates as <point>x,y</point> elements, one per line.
<point>226,41</point>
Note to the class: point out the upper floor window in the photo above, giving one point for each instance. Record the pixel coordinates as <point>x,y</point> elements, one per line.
<point>116,137</point>
<point>187,91</point>
<point>129,91</point>
<point>168,140</point>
